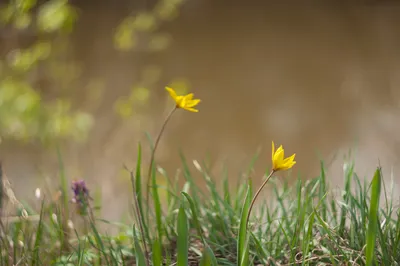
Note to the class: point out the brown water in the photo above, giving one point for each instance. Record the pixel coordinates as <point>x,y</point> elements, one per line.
<point>318,78</point>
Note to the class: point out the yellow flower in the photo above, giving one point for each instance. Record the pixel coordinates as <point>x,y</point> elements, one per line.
<point>184,101</point>
<point>278,160</point>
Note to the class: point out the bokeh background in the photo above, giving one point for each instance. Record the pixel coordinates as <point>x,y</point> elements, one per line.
<point>319,77</point>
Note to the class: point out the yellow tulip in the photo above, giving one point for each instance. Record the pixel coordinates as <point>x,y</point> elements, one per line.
<point>279,162</point>
<point>184,101</point>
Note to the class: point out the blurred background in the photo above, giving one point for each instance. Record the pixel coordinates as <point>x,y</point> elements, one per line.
<point>319,77</point>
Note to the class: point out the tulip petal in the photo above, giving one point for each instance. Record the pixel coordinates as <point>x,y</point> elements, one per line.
<point>273,149</point>
<point>189,97</point>
<point>193,103</point>
<point>191,109</point>
<point>179,101</point>
<point>279,162</point>
<point>289,159</point>
<point>279,154</point>
<point>172,92</point>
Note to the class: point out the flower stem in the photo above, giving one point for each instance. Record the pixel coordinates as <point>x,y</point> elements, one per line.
<point>153,152</point>
<point>256,195</point>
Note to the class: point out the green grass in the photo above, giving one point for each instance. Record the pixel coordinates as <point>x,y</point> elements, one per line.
<point>300,224</point>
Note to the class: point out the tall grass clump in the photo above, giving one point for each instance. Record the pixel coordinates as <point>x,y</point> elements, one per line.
<point>305,223</point>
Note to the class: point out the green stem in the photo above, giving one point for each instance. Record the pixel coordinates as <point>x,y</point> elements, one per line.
<point>153,152</point>
<point>256,195</point>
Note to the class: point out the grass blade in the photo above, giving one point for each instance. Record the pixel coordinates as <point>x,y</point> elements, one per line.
<point>205,260</point>
<point>157,205</point>
<point>189,178</point>
<point>323,191</point>
<point>208,258</point>
<point>308,237</point>
<point>242,250</point>
<point>140,259</point>
<point>65,201</point>
<point>100,245</point>
<point>183,237</point>
<point>157,254</point>
<point>194,214</point>
<point>138,177</point>
<point>39,235</point>
<point>348,178</point>
<point>139,215</point>
<point>138,188</point>
<point>372,230</point>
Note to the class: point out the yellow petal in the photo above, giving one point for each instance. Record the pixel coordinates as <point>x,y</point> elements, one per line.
<point>280,149</point>
<point>279,154</point>
<point>279,162</point>
<point>289,162</point>
<point>178,101</point>
<point>191,109</point>
<point>273,150</point>
<point>171,92</point>
<point>189,97</point>
<point>182,103</point>
<point>289,165</point>
<point>193,103</point>
<point>274,166</point>
<point>289,159</point>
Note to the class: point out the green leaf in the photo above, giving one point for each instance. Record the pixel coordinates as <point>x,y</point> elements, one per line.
<point>372,230</point>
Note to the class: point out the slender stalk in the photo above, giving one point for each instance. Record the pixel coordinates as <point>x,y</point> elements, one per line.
<point>153,152</point>
<point>257,193</point>
<point>140,218</point>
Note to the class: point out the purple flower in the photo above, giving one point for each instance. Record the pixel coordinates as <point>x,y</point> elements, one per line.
<point>80,190</point>
<point>81,195</point>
